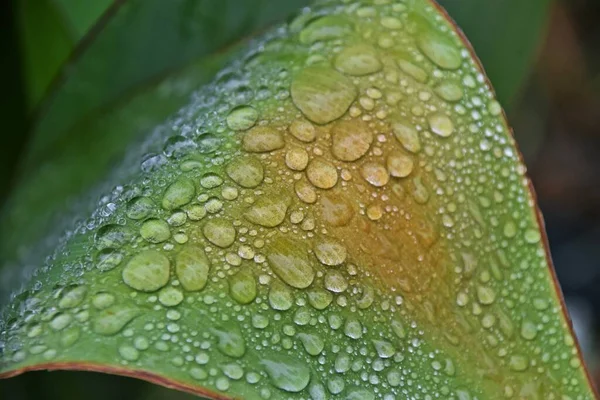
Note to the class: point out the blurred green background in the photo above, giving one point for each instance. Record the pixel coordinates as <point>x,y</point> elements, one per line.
<point>82,78</point>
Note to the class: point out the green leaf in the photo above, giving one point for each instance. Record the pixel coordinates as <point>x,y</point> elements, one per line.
<point>50,30</point>
<point>192,33</point>
<point>506,35</point>
<point>341,213</point>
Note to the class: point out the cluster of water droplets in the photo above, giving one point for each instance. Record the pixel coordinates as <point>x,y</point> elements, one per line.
<point>342,215</point>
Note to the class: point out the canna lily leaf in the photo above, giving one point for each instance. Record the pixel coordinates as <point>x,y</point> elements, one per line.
<point>342,214</point>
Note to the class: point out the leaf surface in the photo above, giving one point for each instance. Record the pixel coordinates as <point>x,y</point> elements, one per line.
<point>342,213</point>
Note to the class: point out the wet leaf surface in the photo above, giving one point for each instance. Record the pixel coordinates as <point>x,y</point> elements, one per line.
<point>341,214</point>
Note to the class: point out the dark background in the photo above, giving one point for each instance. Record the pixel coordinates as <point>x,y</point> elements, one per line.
<point>556,118</point>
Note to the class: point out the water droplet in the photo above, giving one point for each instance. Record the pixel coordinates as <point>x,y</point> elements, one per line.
<point>528,330</point>
<point>280,297</point>
<point>196,212</point>
<point>325,28</point>
<point>247,172</point>
<point>322,94</point>
<point>441,124</point>
<point>60,321</point>
<point>242,287</point>
<point>532,236</point>
<point>103,300</point>
<point>350,140</point>
<point>416,72</point>
<point>230,341</point>
<point>449,91</point>
<point>211,181</point>
<point>286,373</point>
<point>268,211</point>
<point>305,192</point>
<point>336,209</point>
<point>113,236</point>
<point>518,363</point>
<point>486,295</point>
<point>289,261</point>
<point>334,281</point>
<point>330,252</point>
<point>438,49</point>
<point>303,131</point>
<point>353,329</point>
<point>155,231</point>
<point>313,344</point>
<point>129,353</point>
<point>147,271</point>
<point>358,60</point>
<point>192,267</point>
<point>384,349</point>
<point>178,194</point>
<point>219,232</point>
<point>319,299</point>
<point>72,297</point>
<point>139,208</point>
<point>336,385</point>
<point>262,139</point>
<point>322,174</point>
<point>375,174</point>
<point>399,165</point>
<point>296,159</point>
<point>111,320</point>
<point>170,296</point>
<point>242,118</point>
<point>407,136</point>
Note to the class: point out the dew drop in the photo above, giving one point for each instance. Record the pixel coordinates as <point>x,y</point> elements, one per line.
<point>242,287</point>
<point>178,194</point>
<point>350,140</point>
<point>247,172</point>
<point>219,232</point>
<point>268,211</point>
<point>286,373</point>
<point>358,60</point>
<point>322,94</point>
<point>155,231</point>
<point>147,271</point>
<point>399,165</point>
<point>192,267</point>
<point>322,174</point>
<point>313,344</point>
<point>441,124</point>
<point>242,118</point>
<point>262,139</point>
<point>407,136</point>
<point>289,261</point>
<point>330,252</point>
<point>375,173</point>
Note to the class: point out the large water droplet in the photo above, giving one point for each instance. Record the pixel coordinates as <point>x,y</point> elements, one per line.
<point>155,231</point>
<point>322,174</point>
<point>192,267</point>
<point>247,172</point>
<point>407,136</point>
<point>111,320</point>
<point>286,373</point>
<point>322,94</point>
<point>350,140</point>
<point>439,49</point>
<point>242,287</point>
<point>330,252</point>
<point>178,194</point>
<point>325,28</point>
<point>147,271</point>
<point>242,118</point>
<point>289,261</point>
<point>313,344</point>
<point>262,139</point>
<point>219,232</point>
<point>441,124</point>
<point>230,340</point>
<point>268,211</point>
<point>358,60</point>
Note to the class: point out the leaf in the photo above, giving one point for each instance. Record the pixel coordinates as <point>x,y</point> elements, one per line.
<point>506,35</point>
<point>342,213</point>
<point>50,30</point>
<point>192,33</point>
